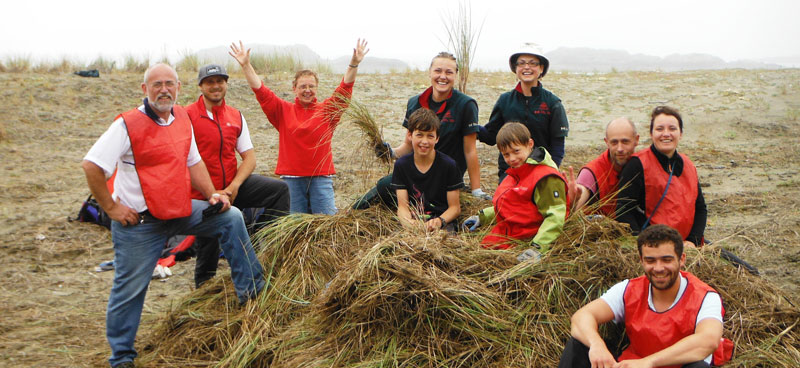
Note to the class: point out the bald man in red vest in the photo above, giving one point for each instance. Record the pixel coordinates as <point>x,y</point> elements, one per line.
<point>598,180</point>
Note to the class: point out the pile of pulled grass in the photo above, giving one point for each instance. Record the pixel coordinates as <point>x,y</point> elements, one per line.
<point>357,290</point>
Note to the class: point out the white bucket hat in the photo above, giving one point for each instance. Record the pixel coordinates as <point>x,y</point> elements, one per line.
<point>529,48</point>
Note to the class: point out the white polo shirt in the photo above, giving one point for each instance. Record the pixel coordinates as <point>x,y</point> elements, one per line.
<point>113,151</point>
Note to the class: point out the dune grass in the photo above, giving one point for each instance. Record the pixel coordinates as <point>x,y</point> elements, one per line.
<point>463,40</point>
<point>357,290</point>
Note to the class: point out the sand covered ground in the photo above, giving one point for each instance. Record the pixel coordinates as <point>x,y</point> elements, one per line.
<point>741,129</point>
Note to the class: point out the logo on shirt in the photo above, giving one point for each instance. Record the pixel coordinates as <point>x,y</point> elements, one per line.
<point>447,118</point>
<point>543,109</point>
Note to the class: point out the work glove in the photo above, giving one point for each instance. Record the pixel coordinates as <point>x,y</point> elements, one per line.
<point>383,149</point>
<point>482,133</point>
<point>471,223</point>
<point>161,272</point>
<point>529,254</point>
<point>479,193</point>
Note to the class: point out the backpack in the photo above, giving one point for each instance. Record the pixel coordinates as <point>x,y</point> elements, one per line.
<point>92,212</point>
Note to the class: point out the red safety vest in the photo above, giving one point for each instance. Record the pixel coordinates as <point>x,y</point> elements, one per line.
<point>516,215</point>
<point>216,140</point>
<point>160,154</point>
<point>677,208</point>
<point>650,332</point>
<point>607,182</point>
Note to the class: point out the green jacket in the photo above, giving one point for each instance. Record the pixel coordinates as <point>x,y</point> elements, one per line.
<point>552,208</point>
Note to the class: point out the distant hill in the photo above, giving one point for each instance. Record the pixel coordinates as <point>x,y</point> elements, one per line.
<point>307,57</point>
<point>585,59</point>
<point>785,61</point>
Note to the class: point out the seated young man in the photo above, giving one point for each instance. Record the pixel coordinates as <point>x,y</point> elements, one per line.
<point>671,318</point>
<point>531,202</point>
<point>427,182</point>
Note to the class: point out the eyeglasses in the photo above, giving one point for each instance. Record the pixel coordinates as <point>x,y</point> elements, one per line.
<point>306,86</point>
<point>532,63</point>
<point>158,84</point>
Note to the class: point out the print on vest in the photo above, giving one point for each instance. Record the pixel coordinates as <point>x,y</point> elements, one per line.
<point>543,109</point>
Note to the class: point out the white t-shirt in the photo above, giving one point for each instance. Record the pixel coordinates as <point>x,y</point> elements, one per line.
<point>243,142</point>
<point>614,297</point>
<point>113,151</point>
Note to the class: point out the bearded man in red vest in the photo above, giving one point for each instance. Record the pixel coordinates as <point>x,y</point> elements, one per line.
<point>598,180</point>
<point>671,318</point>
<point>154,153</point>
<point>221,131</point>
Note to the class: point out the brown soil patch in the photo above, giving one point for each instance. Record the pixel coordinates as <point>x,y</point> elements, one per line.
<point>741,130</point>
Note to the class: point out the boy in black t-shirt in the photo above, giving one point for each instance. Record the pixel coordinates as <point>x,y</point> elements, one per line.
<point>426,182</point>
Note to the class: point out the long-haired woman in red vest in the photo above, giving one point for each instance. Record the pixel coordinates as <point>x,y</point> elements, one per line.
<point>660,185</point>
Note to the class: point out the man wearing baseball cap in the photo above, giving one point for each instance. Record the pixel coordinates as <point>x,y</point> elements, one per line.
<point>221,131</point>
<point>530,104</point>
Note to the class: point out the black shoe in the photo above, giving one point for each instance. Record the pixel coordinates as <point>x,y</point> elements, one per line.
<point>125,365</point>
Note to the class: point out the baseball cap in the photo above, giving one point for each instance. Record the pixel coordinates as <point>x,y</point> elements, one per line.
<point>209,70</point>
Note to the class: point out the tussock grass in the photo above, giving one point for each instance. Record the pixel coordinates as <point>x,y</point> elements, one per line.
<point>189,62</point>
<point>273,63</point>
<point>357,114</point>
<point>102,64</point>
<point>18,64</point>
<point>134,64</point>
<point>55,66</point>
<point>356,289</point>
<point>463,40</point>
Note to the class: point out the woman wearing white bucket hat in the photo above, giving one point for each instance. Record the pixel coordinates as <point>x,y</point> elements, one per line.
<point>530,104</point>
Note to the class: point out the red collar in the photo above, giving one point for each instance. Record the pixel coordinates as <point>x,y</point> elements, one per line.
<point>518,88</point>
<point>204,111</point>
<point>423,99</point>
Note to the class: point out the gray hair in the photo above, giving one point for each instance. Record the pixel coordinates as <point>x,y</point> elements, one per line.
<point>147,72</point>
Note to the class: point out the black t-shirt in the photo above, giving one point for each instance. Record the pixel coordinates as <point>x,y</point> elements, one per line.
<point>428,189</point>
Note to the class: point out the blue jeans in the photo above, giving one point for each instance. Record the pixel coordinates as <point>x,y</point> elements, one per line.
<point>311,194</point>
<point>136,251</point>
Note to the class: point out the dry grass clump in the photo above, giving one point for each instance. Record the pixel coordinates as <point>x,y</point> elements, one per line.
<point>357,114</point>
<point>358,290</point>
<point>463,39</point>
<point>17,64</point>
<point>134,64</point>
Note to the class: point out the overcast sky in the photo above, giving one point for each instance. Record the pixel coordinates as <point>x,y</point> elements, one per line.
<point>410,30</point>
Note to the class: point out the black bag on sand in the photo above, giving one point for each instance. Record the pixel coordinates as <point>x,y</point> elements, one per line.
<point>94,73</point>
<point>92,212</point>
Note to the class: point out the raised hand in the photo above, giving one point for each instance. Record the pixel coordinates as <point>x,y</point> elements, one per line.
<point>359,52</point>
<point>239,53</point>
